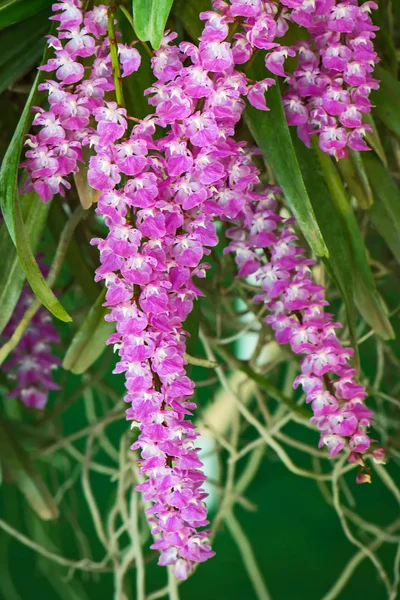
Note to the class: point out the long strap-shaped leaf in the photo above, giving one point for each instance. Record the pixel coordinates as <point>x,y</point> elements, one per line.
<point>387,100</point>
<point>90,340</point>
<point>339,263</point>
<point>20,468</point>
<point>21,46</point>
<point>13,11</point>
<point>383,186</point>
<point>11,209</point>
<point>271,132</point>
<point>150,17</point>
<point>366,296</point>
<point>385,212</point>
<point>12,276</point>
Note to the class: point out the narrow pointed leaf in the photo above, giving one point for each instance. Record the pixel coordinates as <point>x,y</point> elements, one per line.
<point>383,186</point>
<point>353,173</point>
<point>75,257</point>
<point>134,85</point>
<point>373,139</point>
<point>19,467</point>
<point>11,210</point>
<point>272,135</point>
<point>387,228</point>
<point>191,326</point>
<point>385,213</point>
<point>387,100</point>
<point>21,46</point>
<point>150,17</point>
<point>13,11</point>
<point>339,264</point>
<point>12,276</point>
<point>366,296</point>
<point>64,589</point>
<point>187,12</point>
<point>90,340</point>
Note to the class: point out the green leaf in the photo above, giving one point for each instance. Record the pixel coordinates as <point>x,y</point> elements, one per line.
<point>191,326</point>
<point>134,85</point>
<point>387,100</point>
<point>63,589</point>
<point>21,46</point>
<point>7,585</point>
<point>272,135</point>
<point>383,186</point>
<point>12,276</point>
<point>387,228</point>
<point>12,11</point>
<point>385,213</point>
<point>339,264</point>
<point>373,139</point>
<point>18,466</point>
<point>21,64</point>
<point>90,340</point>
<point>150,17</point>
<point>366,296</point>
<point>353,172</point>
<point>11,210</point>
<point>75,256</point>
<point>187,12</point>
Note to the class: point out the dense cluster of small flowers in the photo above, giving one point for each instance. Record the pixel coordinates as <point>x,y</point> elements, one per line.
<point>296,306</point>
<point>31,363</point>
<point>161,226</point>
<point>161,185</point>
<point>55,151</point>
<point>329,90</point>
<point>146,263</point>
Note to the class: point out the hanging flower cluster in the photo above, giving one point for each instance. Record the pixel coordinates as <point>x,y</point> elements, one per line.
<point>296,305</point>
<point>162,184</point>
<point>31,364</point>
<point>77,91</point>
<point>159,197</point>
<point>329,90</point>
<point>147,260</point>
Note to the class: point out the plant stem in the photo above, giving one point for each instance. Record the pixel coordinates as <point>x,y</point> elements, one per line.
<point>260,380</point>
<point>172,585</point>
<point>200,362</point>
<point>114,60</point>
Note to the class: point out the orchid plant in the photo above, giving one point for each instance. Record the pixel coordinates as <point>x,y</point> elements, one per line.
<point>210,182</point>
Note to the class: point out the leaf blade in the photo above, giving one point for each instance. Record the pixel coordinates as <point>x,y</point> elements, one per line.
<point>385,213</point>
<point>75,257</point>
<point>12,276</point>
<point>90,340</point>
<point>11,210</point>
<point>19,466</point>
<point>387,100</point>
<point>150,17</point>
<point>13,11</point>
<point>383,186</point>
<point>271,133</point>
<point>339,263</point>
<point>366,295</point>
